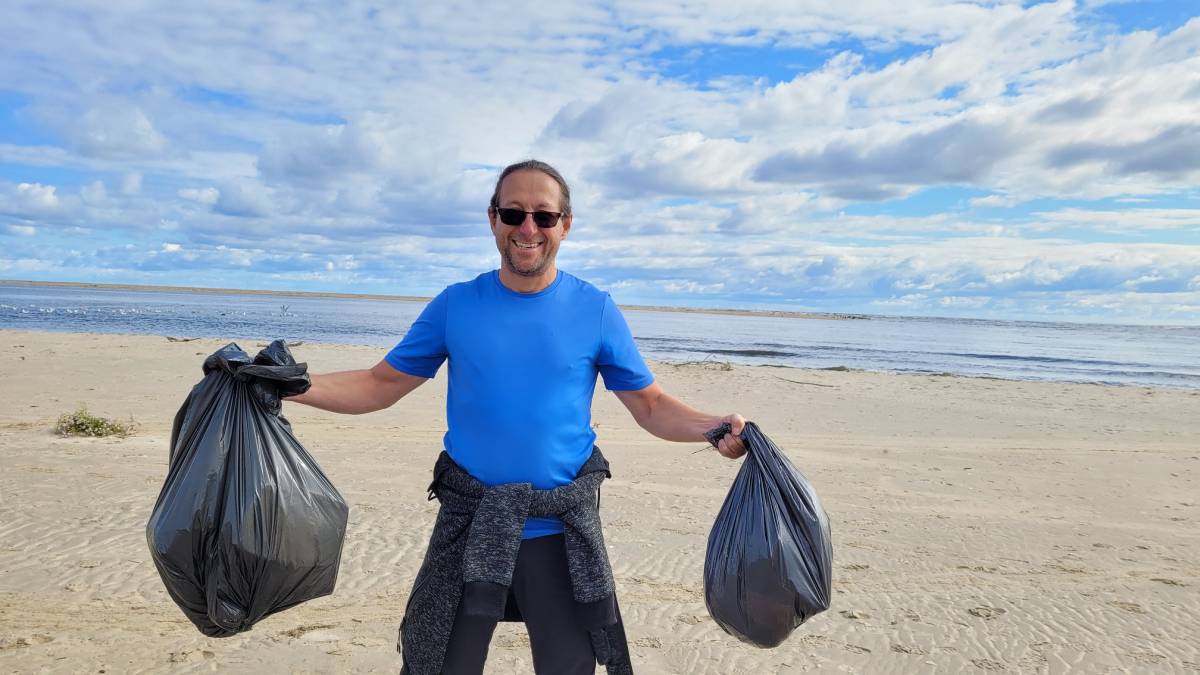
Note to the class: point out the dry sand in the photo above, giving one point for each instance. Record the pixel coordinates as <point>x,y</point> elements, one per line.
<point>979,525</point>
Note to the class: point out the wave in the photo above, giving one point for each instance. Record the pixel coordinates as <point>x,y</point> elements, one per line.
<point>764,353</point>
<point>1040,359</point>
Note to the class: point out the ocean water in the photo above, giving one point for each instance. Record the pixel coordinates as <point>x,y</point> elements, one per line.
<point>1069,352</point>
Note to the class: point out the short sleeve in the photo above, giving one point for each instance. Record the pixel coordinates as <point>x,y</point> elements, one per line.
<point>619,361</point>
<point>423,348</point>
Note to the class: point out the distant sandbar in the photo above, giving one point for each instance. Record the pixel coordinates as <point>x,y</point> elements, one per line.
<point>407,298</point>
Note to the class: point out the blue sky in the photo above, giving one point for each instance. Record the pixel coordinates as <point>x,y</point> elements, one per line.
<point>936,157</point>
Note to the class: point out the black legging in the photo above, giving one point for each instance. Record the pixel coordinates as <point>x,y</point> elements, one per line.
<point>542,588</point>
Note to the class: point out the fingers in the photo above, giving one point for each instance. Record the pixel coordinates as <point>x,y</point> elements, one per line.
<point>737,422</point>
<point>731,446</point>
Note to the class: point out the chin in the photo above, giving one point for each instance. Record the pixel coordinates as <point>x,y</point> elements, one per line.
<point>532,271</point>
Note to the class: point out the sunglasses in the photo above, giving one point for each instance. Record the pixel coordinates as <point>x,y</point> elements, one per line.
<point>516,217</point>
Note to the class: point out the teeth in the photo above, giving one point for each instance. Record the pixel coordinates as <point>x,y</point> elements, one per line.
<point>529,245</point>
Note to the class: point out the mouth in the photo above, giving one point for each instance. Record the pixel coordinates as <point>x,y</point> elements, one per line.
<point>527,245</point>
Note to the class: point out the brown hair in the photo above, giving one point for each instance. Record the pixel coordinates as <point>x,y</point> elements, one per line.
<point>535,165</point>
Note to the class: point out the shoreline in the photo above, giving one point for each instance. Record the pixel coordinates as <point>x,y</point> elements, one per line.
<point>704,364</point>
<point>720,311</point>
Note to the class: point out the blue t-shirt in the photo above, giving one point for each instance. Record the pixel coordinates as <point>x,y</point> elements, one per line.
<point>522,370</point>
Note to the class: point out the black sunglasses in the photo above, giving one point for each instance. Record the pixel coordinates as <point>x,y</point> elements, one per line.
<point>517,216</point>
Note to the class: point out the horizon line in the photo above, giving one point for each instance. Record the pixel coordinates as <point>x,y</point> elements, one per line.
<point>724,311</point>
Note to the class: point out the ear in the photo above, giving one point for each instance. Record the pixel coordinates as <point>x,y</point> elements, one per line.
<point>566,225</point>
<point>491,212</point>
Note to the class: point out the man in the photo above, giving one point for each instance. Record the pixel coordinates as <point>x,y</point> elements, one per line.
<point>524,344</point>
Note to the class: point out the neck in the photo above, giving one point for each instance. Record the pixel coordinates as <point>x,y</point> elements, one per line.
<point>523,284</point>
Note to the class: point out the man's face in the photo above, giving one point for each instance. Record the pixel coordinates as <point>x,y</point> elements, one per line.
<point>526,249</point>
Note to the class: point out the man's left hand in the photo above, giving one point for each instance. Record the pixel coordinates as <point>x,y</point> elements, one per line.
<point>731,444</point>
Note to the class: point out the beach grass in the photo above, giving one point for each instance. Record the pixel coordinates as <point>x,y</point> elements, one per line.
<point>83,423</point>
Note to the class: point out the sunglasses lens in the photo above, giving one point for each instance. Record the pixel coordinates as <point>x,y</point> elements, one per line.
<point>515,217</point>
<point>545,218</point>
<point>511,216</point>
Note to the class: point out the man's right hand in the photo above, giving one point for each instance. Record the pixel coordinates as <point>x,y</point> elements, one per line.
<point>359,391</point>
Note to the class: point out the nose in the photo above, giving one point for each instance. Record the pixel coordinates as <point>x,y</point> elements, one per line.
<point>528,227</point>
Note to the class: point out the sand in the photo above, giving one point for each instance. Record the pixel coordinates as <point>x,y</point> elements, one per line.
<point>980,525</point>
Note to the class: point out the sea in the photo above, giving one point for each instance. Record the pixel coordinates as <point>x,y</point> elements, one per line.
<point>1161,356</point>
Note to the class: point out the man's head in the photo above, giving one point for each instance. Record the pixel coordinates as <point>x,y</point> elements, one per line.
<point>528,249</point>
<point>564,205</point>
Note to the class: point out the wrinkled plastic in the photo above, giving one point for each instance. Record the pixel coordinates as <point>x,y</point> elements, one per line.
<point>769,562</point>
<point>246,524</point>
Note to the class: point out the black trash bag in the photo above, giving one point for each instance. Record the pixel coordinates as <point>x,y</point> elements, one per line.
<point>246,523</point>
<point>769,562</point>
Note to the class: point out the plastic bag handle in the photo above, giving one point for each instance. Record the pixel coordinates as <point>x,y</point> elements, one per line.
<point>717,433</point>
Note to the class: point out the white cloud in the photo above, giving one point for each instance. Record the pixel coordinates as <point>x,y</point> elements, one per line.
<point>21,230</point>
<point>28,199</point>
<point>804,22</point>
<point>989,201</point>
<point>958,301</point>
<point>171,248</point>
<point>374,142</point>
<point>244,199</point>
<point>208,195</point>
<point>38,196</point>
<point>1143,220</point>
<point>131,183</point>
<point>94,193</point>
<point>117,130</point>
<point>680,164</point>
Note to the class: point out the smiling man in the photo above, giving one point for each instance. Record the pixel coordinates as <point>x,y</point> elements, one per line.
<point>529,218</point>
<point>518,533</point>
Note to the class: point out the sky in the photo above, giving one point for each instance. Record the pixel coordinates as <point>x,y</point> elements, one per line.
<point>987,159</point>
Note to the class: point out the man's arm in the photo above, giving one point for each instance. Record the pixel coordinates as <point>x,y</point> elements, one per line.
<point>670,419</point>
<point>359,391</point>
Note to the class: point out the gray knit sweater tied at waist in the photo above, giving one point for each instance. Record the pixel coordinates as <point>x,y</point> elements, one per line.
<point>473,551</point>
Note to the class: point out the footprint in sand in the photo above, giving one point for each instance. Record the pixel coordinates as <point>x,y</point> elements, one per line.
<point>1131,607</point>
<point>651,642</point>
<point>366,642</point>
<point>301,631</point>
<point>986,613</point>
<point>36,639</point>
<point>901,649</point>
<point>855,649</point>
<point>979,568</point>
<point>190,655</point>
